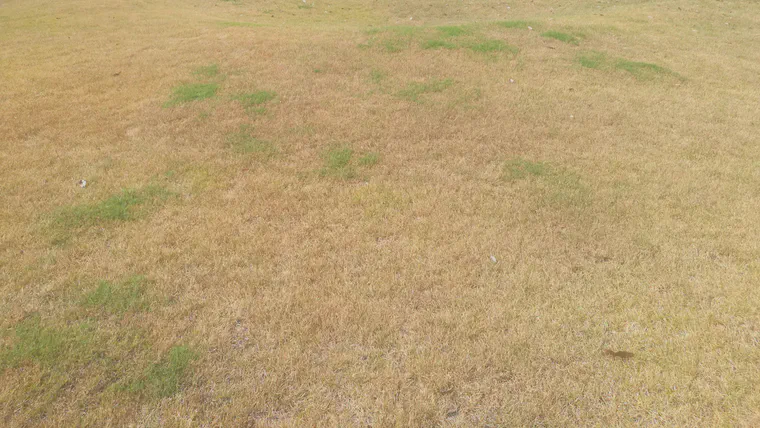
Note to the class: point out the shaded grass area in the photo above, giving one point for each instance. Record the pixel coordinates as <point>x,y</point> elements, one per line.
<point>190,92</point>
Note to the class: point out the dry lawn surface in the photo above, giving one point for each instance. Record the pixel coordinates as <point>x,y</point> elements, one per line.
<point>386,213</point>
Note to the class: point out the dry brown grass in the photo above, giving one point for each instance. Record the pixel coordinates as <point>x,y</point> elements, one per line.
<point>270,286</point>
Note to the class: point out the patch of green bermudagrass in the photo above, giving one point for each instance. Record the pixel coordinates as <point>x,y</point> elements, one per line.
<point>556,186</point>
<point>207,71</point>
<point>369,159</point>
<point>118,297</point>
<point>129,204</point>
<point>639,70</point>
<point>245,142</point>
<point>594,60</point>
<point>52,347</point>
<point>338,163</point>
<point>489,46</point>
<point>562,37</point>
<point>190,92</point>
<point>415,90</point>
<point>438,44</point>
<point>253,102</point>
<point>518,24</point>
<point>453,31</point>
<point>516,169</point>
<point>166,377</point>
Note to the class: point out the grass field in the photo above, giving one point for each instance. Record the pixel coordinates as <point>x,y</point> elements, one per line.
<point>387,213</point>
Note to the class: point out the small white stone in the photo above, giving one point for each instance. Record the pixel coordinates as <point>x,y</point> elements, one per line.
<point>511,80</point>
<point>493,259</point>
<point>530,28</point>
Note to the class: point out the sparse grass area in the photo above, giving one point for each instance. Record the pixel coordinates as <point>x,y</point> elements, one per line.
<point>190,92</point>
<point>405,238</point>
<point>415,90</point>
<point>562,37</point>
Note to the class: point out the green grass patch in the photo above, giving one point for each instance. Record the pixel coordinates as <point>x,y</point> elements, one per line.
<point>369,159</point>
<point>641,70</point>
<point>517,169</point>
<point>129,204</point>
<point>491,46</point>
<point>49,346</point>
<point>190,92</point>
<point>453,31</point>
<point>227,24</point>
<point>438,44</point>
<point>166,377</point>
<point>595,60</point>
<point>377,76</point>
<point>338,163</point>
<point>252,102</point>
<point>395,45</point>
<point>517,24</point>
<point>120,297</point>
<point>556,186</point>
<point>415,90</point>
<point>562,37</point>
<point>243,141</point>
<point>207,71</point>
